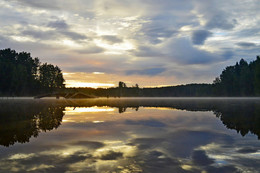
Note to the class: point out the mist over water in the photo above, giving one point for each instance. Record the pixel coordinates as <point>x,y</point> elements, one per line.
<point>130,135</point>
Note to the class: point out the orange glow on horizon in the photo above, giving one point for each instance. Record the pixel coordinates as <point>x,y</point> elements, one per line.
<point>71,84</point>
<point>93,109</point>
<point>99,79</point>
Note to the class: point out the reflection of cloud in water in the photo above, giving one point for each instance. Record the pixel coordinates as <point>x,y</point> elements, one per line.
<point>21,156</point>
<point>150,140</point>
<point>111,155</point>
<point>151,123</point>
<point>199,157</point>
<point>76,110</point>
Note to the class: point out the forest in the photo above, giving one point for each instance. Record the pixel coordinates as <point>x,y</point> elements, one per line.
<point>242,79</point>
<point>22,75</point>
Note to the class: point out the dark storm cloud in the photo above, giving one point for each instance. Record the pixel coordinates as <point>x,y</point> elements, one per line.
<point>112,39</point>
<point>149,72</point>
<point>58,24</point>
<point>246,44</point>
<point>199,36</point>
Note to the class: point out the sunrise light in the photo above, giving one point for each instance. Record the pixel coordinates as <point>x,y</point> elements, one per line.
<point>71,84</point>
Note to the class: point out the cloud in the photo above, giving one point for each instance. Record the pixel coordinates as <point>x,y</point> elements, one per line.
<point>156,33</point>
<point>145,51</point>
<point>157,161</point>
<point>58,24</point>
<point>253,31</point>
<point>214,16</point>
<point>149,72</point>
<point>74,35</point>
<point>43,35</point>
<point>247,150</point>
<point>89,144</point>
<point>225,168</point>
<point>149,123</point>
<point>199,157</point>
<point>221,22</point>
<point>111,155</point>
<point>182,51</point>
<point>48,4</point>
<point>199,36</point>
<point>90,49</point>
<point>53,34</point>
<point>246,44</point>
<point>112,39</point>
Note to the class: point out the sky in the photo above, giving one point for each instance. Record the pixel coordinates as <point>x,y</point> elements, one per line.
<point>149,42</point>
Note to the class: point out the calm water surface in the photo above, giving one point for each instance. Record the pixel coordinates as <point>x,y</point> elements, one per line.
<point>130,135</point>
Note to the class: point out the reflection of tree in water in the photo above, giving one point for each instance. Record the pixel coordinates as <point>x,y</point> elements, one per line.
<point>122,109</point>
<point>244,118</point>
<point>19,122</point>
<point>241,115</point>
<point>53,118</point>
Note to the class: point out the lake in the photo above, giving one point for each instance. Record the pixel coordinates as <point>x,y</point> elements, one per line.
<point>130,135</point>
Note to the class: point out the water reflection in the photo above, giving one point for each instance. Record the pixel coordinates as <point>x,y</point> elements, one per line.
<point>130,135</point>
<point>19,122</point>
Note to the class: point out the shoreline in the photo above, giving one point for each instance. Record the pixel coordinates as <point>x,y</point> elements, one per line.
<point>139,98</point>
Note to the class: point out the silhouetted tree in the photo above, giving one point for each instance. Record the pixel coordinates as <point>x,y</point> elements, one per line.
<point>20,74</point>
<point>121,84</point>
<point>242,79</point>
<point>50,76</point>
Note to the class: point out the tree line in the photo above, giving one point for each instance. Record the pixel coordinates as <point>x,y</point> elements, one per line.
<point>20,74</point>
<point>242,79</point>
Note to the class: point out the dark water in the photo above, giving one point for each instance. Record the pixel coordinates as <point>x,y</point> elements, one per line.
<point>130,135</point>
